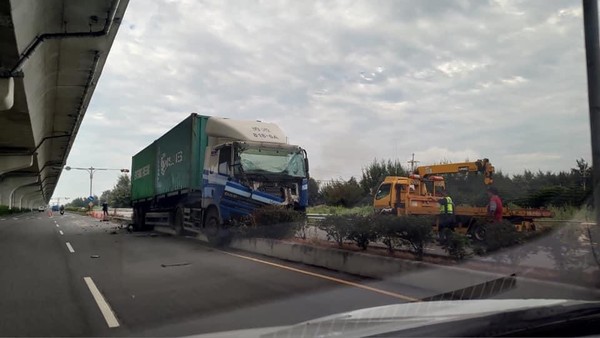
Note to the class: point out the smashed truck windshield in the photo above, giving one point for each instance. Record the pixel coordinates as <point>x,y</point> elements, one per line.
<point>272,161</point>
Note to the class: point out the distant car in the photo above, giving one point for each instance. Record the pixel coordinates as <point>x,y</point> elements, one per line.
<point>41,208</point>
<point>55,208</point>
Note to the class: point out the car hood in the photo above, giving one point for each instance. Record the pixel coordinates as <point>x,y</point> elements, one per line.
<point>389,318</point>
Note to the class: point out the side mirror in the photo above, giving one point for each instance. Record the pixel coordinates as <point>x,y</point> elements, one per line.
<point>306,165</point>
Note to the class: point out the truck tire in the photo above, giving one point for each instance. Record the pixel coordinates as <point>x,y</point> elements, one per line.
<point>139,218</point>
<point>178,222</point>
<point>211,226</point>
<point>478,232</point>
<point>216,234</point>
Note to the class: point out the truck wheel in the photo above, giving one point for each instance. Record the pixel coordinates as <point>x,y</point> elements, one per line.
<point>211,226</point>
<point>479,232</point>
<point>178,222</point>
<point>532,227</point>
<point>216,234</point>
<point>138,219</point>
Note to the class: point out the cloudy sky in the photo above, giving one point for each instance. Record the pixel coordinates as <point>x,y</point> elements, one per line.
<point>349,81</point>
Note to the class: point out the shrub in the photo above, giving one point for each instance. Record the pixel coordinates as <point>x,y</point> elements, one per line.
<point>4,210</point>
<point>455,244</point>
<point>412,231</point>
<point>416,232</point>
<point>362,231</point>
<point>337,228</point>
<point>270,222</point>
<point>497,236</point>
<point>385,226</point>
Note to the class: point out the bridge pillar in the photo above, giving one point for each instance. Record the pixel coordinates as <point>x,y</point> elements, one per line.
<point>24,191</point>
<point>10,184</point>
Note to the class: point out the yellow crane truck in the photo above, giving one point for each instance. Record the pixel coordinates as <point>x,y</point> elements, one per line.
<point>418,193</point>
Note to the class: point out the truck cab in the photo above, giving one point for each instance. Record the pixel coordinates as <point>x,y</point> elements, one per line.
<point>408,195</point>
<point>243,175</point>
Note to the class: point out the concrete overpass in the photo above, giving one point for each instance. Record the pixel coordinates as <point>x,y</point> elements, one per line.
<point>51,55</point>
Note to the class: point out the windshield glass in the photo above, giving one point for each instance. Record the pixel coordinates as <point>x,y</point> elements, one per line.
<point>268,161</point>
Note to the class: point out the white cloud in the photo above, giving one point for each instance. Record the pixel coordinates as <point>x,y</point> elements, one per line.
<point>349,81</point>
<point>514,80</point>
<point>458,67</point>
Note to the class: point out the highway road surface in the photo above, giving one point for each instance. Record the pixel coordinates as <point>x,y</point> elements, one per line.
<point>73,275</point>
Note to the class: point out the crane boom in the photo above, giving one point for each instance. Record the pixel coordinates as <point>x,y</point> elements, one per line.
<point>481,166</point>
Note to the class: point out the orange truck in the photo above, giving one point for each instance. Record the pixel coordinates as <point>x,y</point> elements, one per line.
<point>418,193</point>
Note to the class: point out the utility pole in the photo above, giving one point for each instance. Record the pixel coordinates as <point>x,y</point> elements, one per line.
<point>92,170</point>
<point>592,55</point>
<point>412,163</point>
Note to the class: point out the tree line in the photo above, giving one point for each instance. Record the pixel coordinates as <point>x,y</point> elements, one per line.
<point>528,189</point>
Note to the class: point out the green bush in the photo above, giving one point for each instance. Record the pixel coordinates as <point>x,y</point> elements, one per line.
<point>4,210</point>
<point>270,222</point>
<point>385,226</point>
<point>337,228</point>
<point>362,231</point>
<point>455,244</point>
<point>415,232</point>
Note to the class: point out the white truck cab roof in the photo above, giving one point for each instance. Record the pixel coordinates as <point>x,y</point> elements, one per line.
<point>225,130</point>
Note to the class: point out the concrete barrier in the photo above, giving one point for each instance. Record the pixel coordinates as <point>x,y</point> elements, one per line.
<point>334,259</point>
<point>412,272</point>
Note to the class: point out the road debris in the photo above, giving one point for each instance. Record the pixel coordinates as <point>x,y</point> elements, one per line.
<point>95,256</point>
<point>174,264</point>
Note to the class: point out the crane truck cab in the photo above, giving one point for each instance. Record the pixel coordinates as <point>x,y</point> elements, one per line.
<point>409,195</point>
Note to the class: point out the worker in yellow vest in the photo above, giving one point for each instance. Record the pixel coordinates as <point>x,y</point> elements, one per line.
<point>447,219</point>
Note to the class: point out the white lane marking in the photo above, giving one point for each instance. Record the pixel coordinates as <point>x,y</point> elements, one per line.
<point>14,218</point>
<point>2,219</point>
<point>57,225</point>
<point>107,312</point>
<point>60,231</point>
<point>70,247</point>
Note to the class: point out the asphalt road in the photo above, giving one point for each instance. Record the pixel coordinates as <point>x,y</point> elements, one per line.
<point>76,276</point>
<point>154,284</point>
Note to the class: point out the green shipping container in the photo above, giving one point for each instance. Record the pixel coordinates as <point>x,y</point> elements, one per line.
<point>143,168</point>
<point>180,156</point>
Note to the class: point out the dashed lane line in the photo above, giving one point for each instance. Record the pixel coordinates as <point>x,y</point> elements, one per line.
<point>107,312</point>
